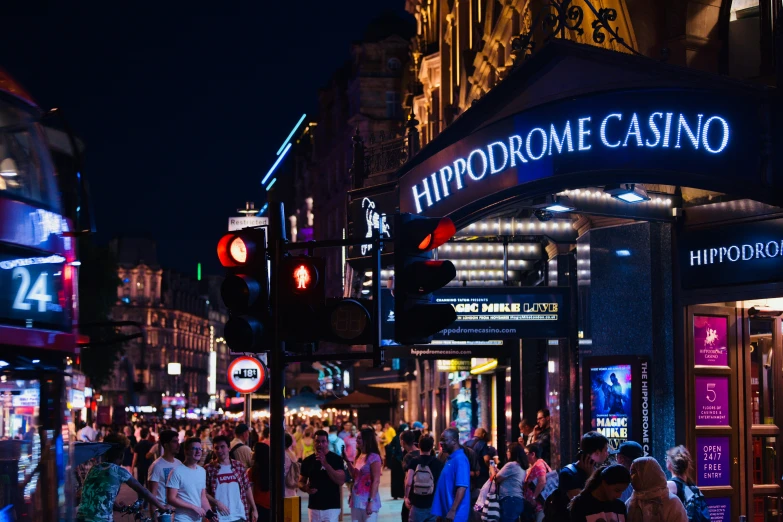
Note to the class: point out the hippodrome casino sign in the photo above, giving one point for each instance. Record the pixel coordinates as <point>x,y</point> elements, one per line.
<point>648,135</point>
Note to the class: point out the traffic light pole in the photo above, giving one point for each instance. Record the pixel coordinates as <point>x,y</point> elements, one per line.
<point>277,240</point>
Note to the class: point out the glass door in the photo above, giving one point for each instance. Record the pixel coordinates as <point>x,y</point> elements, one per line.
<point>712,411</point>
<point>763,361</point>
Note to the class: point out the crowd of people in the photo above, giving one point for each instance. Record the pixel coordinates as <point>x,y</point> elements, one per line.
<point>221,471</point>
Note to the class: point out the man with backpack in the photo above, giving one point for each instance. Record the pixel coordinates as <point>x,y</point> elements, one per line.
<point>240,450</point>
<point>410,452</point>
<point>422,475</point>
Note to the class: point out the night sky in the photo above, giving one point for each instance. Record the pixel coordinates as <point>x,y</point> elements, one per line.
<point>182,112</point>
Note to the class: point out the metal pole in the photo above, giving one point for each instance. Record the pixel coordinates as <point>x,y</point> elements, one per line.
<point>248,409</point>
<point>277,370</point>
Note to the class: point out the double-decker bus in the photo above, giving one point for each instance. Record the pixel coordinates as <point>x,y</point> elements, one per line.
<point>38,344</point>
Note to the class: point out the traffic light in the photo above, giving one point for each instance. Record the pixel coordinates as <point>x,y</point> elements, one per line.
<point>417,274</point>
<point>302,297</point>
<point>307,316</point>
<point>245,290</point>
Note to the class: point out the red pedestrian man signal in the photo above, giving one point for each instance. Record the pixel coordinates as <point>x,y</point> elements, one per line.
<point>302,276</point>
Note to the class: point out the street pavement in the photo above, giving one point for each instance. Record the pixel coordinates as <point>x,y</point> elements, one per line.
<point>390,509</point>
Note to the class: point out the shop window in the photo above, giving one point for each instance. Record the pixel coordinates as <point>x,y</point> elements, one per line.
<point>745,39</point>
<point>766,465</point>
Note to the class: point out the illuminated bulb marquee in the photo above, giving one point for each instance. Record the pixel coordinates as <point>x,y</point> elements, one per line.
<point>659,129</point>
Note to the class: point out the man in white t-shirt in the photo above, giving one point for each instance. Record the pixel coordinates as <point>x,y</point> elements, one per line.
<point>158,474</point>
<point>186,489</point>
<point>228,487</point>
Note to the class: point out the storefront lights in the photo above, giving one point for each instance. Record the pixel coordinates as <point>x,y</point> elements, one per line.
<point>628,192</point>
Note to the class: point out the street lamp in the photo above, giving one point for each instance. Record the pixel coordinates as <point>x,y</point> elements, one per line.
<point>175,370</point>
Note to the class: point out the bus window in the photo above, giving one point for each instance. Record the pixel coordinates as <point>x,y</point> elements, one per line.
<point>25,169</point>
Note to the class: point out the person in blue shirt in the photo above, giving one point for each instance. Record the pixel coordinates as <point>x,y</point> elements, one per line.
<point>451,501</point>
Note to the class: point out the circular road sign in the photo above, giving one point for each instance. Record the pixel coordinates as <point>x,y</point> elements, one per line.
<point>246,374</point>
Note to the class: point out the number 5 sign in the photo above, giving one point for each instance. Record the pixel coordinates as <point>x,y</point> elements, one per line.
<point>712,401</point>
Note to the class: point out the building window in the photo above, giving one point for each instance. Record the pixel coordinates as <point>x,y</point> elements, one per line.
<point>394,64</point>
<point>393,106</point>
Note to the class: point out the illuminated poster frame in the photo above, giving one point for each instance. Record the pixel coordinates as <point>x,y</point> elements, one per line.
<point>609,407</point>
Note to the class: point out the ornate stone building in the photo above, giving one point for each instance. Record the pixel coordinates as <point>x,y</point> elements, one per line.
<point>181,325</point>
<point>364,96</point>
<point>463,48</point>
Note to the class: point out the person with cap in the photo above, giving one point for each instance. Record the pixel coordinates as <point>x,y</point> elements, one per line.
<point>626,454</point>
<point>240,450</point>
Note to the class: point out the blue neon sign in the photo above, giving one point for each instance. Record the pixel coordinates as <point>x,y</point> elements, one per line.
<point>645,136</point>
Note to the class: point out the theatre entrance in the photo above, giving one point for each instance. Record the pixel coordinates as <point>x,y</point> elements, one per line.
<point>734,376</point>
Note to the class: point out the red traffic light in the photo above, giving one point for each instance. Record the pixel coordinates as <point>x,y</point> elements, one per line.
<point>425,234</point>
<point>304,276</point>
<point>238,248</point>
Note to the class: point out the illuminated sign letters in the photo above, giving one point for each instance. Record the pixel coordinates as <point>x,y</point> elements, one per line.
<point>705,133</point>
<point>733,254</point>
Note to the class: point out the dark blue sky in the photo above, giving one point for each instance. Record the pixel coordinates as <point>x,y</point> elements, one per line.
<point>182,111</point>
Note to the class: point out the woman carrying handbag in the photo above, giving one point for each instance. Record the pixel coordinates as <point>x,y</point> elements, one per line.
<point>509,482</point>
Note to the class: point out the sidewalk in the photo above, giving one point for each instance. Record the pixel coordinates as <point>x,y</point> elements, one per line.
<point>390,509</point>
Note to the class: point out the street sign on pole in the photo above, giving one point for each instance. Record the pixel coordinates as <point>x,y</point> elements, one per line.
<point>240,222</point>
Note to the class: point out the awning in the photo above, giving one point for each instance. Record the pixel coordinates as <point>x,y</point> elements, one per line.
<point>357,400</point>
<point>304,400</point>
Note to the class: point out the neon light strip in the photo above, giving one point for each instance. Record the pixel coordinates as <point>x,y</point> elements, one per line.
<point>279,159</point>
<point>271,183</point>
<point>263,208</point>
<point>291,134</point>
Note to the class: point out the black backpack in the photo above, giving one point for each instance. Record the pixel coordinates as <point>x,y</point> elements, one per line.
<point>233,452</point>
<point>693,500</point>
<point>556,504</point>
<point>556,507</point>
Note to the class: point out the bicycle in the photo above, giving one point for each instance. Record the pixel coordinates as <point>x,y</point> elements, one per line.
<point>137,510</point>
<point>140,513</point>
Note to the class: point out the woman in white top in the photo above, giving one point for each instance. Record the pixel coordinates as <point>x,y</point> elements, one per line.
<point>651,500</point>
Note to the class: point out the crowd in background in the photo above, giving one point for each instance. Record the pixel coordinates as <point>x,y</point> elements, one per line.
<point>438,480</point>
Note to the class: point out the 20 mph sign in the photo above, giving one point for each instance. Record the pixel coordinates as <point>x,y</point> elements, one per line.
<point>246,374</point>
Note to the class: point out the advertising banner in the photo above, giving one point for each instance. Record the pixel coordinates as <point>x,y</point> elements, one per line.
<point>610,407</point>
<point>710,340</point>
<point>733,254</point>
<point>485,314</point>
<point>617,399</point>
<point>712,401</point>
<point>712,461</point>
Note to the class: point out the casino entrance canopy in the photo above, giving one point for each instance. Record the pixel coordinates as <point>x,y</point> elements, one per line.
<point>575,116</point>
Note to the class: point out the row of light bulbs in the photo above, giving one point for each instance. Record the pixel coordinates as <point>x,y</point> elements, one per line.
<point>598,194</point>
<point>510,226</point>
<point>530,248</point>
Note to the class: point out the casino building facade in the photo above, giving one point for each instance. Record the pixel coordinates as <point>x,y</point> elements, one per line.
<point>619,251</point>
